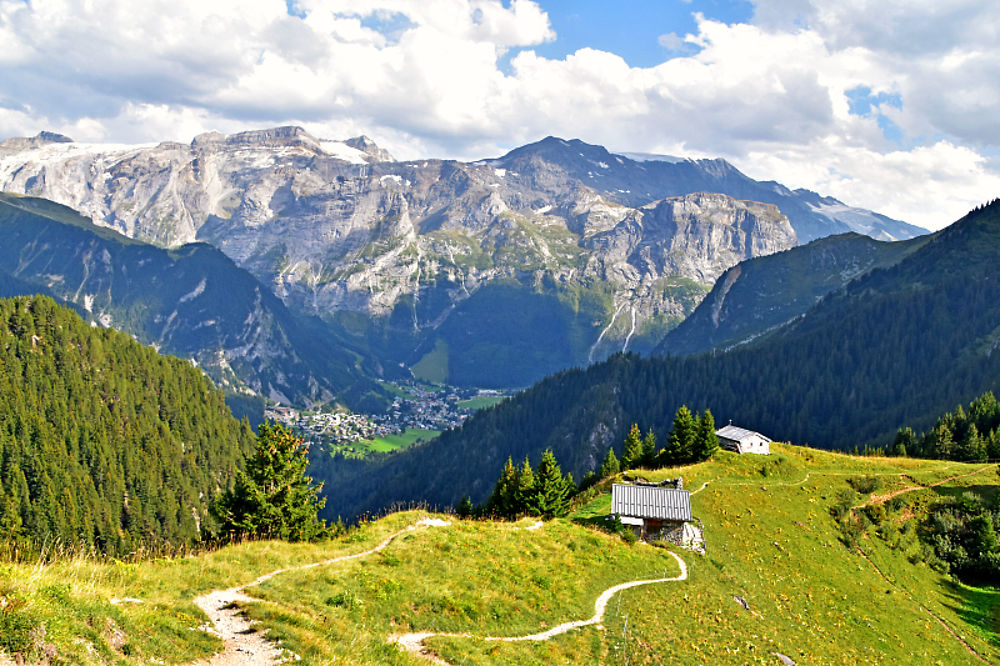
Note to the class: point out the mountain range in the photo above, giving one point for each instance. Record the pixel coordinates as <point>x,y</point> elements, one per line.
<point>491,273</point>
<point>915,334</point>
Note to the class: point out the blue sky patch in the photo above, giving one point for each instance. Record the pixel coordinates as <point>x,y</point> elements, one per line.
<point>390,24</point>
<point>632,28</point>
<point>293,9</point>
<point>861,101</point>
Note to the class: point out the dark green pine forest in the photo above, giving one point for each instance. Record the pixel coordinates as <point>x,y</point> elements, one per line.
<point>104,444</point>
<point>898,346</point>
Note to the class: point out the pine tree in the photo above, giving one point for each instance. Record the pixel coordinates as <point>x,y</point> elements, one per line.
<point>632,453</point>
<point>706,441</point>
<point>502,502</point>
<point>552,490</point>
<point>905,441</point>
<point>942,442</point>
<point>649,449</point>
<point>682,436</point>
<point>274,498</point>
<point>524,494</point>
<point>972,448</point>
<point>610,465</point>
<point>465,508</point>
<point>993,446</point>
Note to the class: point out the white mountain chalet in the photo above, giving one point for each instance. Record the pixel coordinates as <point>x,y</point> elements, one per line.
<point>742,440</point>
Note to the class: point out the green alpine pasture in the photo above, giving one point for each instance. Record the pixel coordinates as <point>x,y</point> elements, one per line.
<point>481,402</point>
<point>798,563</point>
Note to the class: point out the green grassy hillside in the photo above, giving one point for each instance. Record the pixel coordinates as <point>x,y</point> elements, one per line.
<point>816,589</point>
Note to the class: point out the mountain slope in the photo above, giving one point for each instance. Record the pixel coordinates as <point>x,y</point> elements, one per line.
<point>899,345</point>
<point>192,302</point>
<point>780,576</point>
<point>399,255</point>
<point>104,444</point>
<point>758,295</point>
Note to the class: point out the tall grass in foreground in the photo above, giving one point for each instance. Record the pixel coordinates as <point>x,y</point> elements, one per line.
<point>69,607</point>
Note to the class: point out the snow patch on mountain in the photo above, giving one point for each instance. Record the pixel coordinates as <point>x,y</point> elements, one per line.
<point>342,151</point>
<point>653,157</point>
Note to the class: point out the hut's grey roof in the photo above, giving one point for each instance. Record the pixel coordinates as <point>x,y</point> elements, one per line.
<point>736,433</point>
<point>650,502</point>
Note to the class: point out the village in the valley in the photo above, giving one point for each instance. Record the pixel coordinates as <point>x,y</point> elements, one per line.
<point>418,413</point>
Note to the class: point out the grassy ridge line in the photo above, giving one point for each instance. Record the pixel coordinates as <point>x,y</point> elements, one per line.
<point>71,597</point>
<point>771,540</point>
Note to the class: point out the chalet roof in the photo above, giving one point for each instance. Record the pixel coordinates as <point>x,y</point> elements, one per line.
<point>737,434</point>
<point>650,502</point>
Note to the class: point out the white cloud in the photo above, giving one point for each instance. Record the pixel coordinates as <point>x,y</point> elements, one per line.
<point>425,77</point>
<point>930,186</point>
<point>671,41</point>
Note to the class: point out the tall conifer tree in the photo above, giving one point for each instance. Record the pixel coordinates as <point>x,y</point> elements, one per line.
<point>632,454</point>
<point>501,502</point>
<point>649,449</point>
<point>707,440</point>
<point>610,465</point>
<point>682,436</point>
<point>525,494</point>
<point>274,497</point>
<point>552,490</point>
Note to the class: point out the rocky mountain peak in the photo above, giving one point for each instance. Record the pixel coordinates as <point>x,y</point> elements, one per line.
<point>562,152</point>
<point>275,137</point>
<point>44,137</point>
<point>367,145</point>
<point>208,138</point>
<point>52,137</point>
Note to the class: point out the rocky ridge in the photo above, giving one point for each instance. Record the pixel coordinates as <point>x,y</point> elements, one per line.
<point>339,229</point>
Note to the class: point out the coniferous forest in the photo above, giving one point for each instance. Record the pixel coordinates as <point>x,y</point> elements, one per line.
<point>896,347</point>
<point>105,444</point>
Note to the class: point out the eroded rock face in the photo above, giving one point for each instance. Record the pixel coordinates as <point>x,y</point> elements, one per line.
<point>336,227</point>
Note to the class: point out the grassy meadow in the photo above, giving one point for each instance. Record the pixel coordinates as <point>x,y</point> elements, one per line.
<point>859,590</point>
<point>482,401</point>
<point>386,444</point>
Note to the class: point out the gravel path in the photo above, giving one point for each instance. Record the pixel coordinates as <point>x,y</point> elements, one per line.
<point>414,642</point>
<point>600,606</point>
<point>243,644</point>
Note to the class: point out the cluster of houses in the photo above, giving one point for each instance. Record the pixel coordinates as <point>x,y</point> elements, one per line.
<point>333,427</point>
<point>663,510</point>
<point>426,411</point>
<point>422,409</point>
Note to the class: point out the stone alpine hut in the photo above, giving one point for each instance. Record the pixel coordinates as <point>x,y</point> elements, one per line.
<point>656,512</point>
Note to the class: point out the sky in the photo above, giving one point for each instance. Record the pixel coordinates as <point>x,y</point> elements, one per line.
<point>885,104</point>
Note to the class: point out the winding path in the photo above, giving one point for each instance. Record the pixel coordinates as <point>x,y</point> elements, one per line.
<point>414,642</point>
<point>244,645</point>
<point>882,499</point>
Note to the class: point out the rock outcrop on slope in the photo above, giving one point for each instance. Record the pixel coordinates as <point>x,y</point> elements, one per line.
<point>621,249</point>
